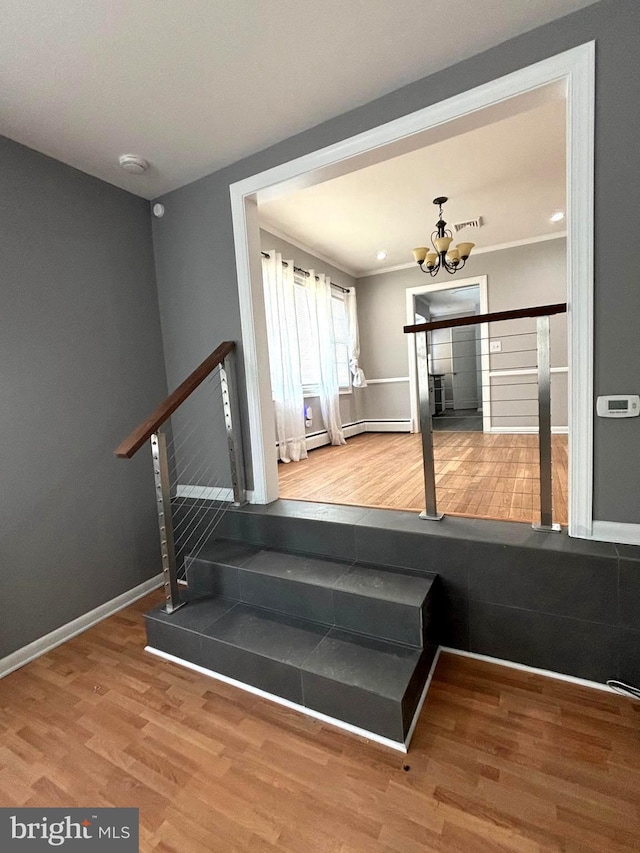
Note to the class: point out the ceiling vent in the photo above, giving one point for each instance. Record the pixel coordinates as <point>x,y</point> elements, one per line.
<point>470,223</point>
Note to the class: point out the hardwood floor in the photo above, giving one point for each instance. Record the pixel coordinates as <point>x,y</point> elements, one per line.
<point>477,475</point>
<point>501,760</point>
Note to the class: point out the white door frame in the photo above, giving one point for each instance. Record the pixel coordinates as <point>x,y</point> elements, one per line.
<point>411,292</point>
<point>576,68</point>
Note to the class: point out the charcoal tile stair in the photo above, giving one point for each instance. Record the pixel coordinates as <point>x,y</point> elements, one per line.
<point>347,640</point>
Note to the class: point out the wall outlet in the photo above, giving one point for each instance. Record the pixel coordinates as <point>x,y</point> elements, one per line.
<point>495,346</point>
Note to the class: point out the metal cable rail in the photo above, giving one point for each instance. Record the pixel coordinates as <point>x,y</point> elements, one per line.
<point>192,490</point>
<point>441,454</point>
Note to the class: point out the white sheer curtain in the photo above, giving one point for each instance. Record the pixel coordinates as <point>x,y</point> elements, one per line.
<point>320,291</point>
<point>359,379</point>
<point>284,357</point>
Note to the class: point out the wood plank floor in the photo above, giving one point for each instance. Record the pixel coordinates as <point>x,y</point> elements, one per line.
<point>500,761</point>
<point>477,475</point>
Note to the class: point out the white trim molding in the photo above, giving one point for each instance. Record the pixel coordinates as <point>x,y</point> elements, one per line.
<point>616,531</point>
<point>66,632</point>
<point>400,746</point>
<point>390,379</point>
<point>525,430</point>
<point>580,263</point>
<point>524,371</point>
<point>547,673</point>
<point>321,438</point>
<point>388,425</point>
<point>265,225</point>
<point>478,250</point>
<point>574,69</point>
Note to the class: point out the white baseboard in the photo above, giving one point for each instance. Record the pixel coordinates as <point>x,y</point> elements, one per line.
<point>615,531</point>
<point>548,673</point>
<point>66,632</point>
<point>301,709</point>
<point>320,439</point>
<point>526,430</point>
<point>388,426</point>
<point>423,697</point>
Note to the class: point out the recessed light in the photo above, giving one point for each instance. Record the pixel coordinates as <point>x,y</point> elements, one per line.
<point>558,216</point>
<point>133,164</point>
<point>381,255</point>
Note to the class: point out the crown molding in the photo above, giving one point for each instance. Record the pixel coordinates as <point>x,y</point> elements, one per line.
<point>265,225</point>
<point>498,247</point>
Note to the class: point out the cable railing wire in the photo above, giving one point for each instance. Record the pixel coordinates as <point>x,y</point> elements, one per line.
<point>187,524</point>
<point>172,446</point>
<point>193,507</point>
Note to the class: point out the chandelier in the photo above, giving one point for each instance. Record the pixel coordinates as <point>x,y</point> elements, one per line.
<point>442,257</point>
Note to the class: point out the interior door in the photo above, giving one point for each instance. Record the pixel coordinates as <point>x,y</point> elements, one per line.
<point>464,357</point>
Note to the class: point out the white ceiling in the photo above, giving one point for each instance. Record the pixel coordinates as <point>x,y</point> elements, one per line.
<point>462,300</point>
<point>510,172</point>
<point>193,85</point>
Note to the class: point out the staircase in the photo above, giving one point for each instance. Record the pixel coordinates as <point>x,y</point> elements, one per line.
<point>348,642</point>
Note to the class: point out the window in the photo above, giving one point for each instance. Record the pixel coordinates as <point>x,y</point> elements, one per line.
<point>341,334</point>
<point>308,339</point>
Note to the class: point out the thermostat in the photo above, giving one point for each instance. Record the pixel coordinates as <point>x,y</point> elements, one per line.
<point>618,406</point>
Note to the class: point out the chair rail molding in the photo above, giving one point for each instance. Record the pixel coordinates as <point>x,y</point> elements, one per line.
<point>575,69</point>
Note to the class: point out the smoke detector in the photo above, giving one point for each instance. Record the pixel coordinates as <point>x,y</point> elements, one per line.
<point>133,164</point>
<point>469,223</point>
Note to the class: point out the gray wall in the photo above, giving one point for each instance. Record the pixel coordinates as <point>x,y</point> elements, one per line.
<point>194,243</point>
<point>519,277</point>
<point>80,365</point>
<point>349,403</point>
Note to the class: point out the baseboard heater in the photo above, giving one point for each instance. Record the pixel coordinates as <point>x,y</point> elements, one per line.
<point>321,437</point>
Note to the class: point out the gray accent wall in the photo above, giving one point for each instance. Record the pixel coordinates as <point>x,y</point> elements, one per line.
<point>81,364</point>
<point>194,241</point>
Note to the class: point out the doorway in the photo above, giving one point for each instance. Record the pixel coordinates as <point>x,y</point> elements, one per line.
<point>459,357</point>
<point>573,70</point>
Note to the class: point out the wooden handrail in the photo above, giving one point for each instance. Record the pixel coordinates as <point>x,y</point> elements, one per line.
<point>134,442</point>
<point>475,319</point>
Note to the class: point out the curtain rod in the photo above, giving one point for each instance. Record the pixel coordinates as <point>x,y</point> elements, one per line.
<point>307,273</point>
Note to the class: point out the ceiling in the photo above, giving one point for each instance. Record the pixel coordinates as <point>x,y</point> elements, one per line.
<point>510,172</point>
<point>194,85</point>
<point>441,303</point>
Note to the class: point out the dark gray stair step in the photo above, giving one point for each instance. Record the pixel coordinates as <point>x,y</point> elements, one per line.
<point>368,683</point>
<point>255,646</point>
<point>215,571</point>
<point>292,583</point>
<point>384,603</point>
